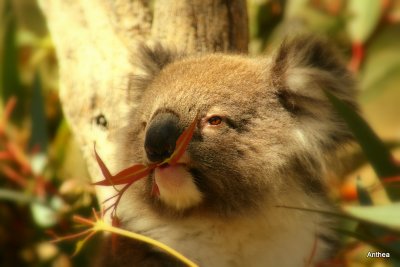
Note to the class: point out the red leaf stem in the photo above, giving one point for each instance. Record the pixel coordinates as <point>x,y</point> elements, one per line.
<point>11,103</point>
<point>14,176</point>
<point>138,171</point>
<point>183,142</point>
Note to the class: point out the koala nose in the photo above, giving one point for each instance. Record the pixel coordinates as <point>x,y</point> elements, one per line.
<point>161,137</point>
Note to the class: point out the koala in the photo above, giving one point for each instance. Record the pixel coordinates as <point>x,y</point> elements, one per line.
<point>265,137</point>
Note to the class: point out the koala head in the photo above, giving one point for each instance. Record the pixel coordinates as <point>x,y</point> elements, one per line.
<point>264,131</point>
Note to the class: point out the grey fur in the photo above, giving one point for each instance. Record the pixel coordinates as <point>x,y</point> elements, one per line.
<point>151,60</point>
<point>278,133</point>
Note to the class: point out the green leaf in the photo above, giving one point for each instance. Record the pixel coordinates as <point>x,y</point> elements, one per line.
<point>15,196</point>
<point>355,159</point>
<point>379,245</point>
<point>381,68</point>
<point>347,216</point>
<point>59,143</point>
<point>385,215</point>
<point>363,196</point>
<point>44,215</point>
<point>10,83</point>
<point>363,18</point>
<point>374,149</point>
<point>39,135</point>
<point>381,235</point>
<point>384,236</point>
<point>79,245</point>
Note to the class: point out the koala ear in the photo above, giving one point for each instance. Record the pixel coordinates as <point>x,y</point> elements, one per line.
<point>150,60</point>
<point>302,69</point>
<point>305,66</point>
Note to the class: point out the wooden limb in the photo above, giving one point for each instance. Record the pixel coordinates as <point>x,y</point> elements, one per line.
<point>202,25</point>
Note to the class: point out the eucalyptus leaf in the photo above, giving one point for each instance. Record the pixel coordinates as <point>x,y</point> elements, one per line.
<point>39,135</point>
<point>374,149</point>
<point>386,215</point>
<point>381,68</point>
<point>382,247</point>
<point>15,196</point>
<point>363,18</point>
<point>363,196</point>
<point>10,84</point>
<point>385,237</point>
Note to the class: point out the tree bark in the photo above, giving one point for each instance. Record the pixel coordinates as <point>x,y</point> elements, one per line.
<point>95,41</point>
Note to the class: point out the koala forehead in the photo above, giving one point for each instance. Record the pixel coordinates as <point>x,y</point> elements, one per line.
<point>216,82</point>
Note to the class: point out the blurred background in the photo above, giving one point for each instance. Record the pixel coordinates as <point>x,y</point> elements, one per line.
<point>43,180</point>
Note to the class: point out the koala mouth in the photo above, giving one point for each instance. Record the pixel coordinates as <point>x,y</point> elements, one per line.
<point>176,187</point>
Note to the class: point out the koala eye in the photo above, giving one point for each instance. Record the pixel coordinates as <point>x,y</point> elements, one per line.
<point>215,120</point>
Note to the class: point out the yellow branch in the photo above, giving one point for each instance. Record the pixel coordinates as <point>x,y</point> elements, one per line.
<point>100,225</point>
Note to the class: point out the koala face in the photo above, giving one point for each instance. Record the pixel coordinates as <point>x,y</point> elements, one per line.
<point>264,127</point>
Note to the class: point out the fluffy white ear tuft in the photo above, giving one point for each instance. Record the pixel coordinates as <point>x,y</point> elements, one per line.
<point>302,68</point>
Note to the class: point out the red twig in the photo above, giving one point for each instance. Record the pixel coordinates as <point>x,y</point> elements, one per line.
<point>14,176</point>
<point>309,261</point>
<point>357,56</point>
<point>19,157</point>
<point>11,103</point>
<point>391,179</point>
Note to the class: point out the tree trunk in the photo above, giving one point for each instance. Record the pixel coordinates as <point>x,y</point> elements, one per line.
<point>95,42</point>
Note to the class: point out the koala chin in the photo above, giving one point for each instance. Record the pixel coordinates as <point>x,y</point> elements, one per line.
<point>265,137</point>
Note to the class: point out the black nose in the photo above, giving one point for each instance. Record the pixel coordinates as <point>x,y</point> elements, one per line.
<point>161,137</point>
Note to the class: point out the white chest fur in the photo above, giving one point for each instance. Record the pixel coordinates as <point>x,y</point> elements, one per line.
<point>278,237</point>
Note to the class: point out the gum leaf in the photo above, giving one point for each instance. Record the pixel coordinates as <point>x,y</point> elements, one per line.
<point>182,143</point>
<point>127,175</point>
<point>138,171</point>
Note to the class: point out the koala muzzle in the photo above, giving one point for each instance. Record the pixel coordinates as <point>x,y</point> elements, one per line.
<point>161,136</point>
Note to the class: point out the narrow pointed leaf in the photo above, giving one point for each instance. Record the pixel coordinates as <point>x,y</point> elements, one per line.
<point>103,167</point>
<point>352,217</point>
<point>130,170</point>
<point>386,215</point>
<point>127,175</point>
<point>10,82</point>
<point>79,245</point>
<point>363,196</point>
<point>155,191</point>
<point>139,171</point>
<point>39,137</point>
<point>367,239</point>
<point>374,149</point>
<point>364,18</point>
<point>183,142</point>
<point>5,116</point>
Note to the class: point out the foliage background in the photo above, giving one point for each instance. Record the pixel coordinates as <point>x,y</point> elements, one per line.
<point>43,180</point>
